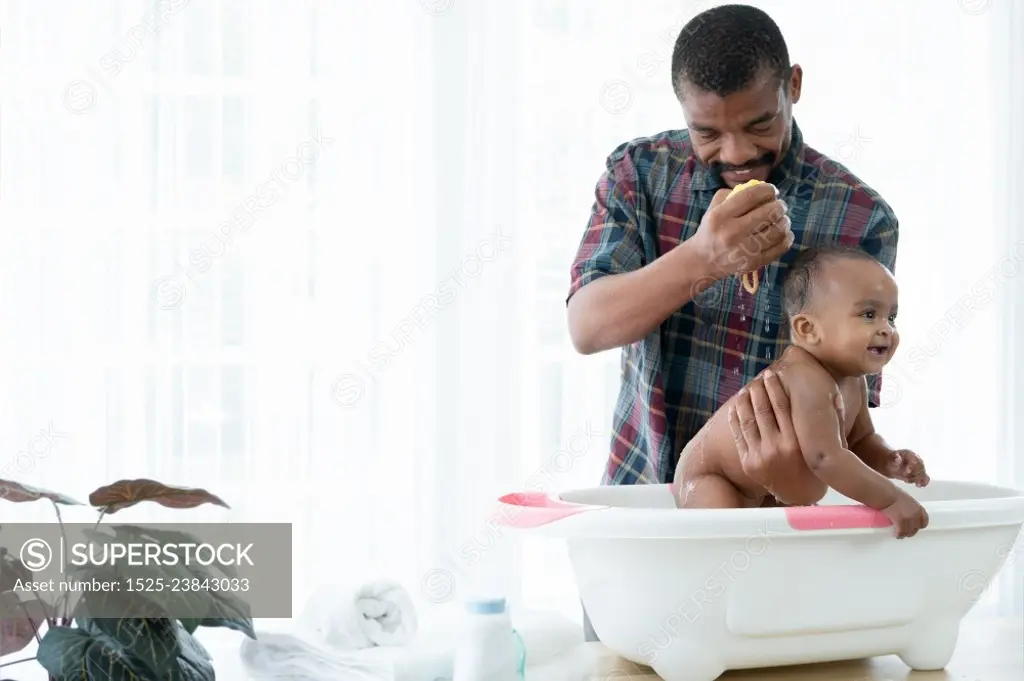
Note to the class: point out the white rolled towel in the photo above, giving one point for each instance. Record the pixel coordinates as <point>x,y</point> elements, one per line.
<point>376,613</point>
<point>304,656</point>
<point>283,657</point>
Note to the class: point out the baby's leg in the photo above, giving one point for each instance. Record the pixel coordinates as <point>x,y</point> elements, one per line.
<point>771,502</point>
<point>709,490</point>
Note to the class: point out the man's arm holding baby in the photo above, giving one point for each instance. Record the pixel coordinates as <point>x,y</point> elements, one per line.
<point>900,464</point>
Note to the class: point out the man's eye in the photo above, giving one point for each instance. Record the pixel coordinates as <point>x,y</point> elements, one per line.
<point>761,129</point>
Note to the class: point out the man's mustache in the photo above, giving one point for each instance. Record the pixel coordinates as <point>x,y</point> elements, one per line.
<point>766,160</point>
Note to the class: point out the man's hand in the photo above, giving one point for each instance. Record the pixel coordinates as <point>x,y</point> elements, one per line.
<point>907,466</point>
<point>746,232</point>
<point>762,426</point>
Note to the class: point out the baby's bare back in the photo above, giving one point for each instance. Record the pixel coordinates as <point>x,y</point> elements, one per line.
<point>713,451</point>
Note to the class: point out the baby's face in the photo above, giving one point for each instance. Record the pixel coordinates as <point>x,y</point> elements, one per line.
<point>857,314</point>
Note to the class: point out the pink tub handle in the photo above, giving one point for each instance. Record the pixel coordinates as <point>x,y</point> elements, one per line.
<point>845,517</point>
<point>533,509</point>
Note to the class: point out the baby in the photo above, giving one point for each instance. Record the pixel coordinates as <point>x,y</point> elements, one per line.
<point>841,305</point>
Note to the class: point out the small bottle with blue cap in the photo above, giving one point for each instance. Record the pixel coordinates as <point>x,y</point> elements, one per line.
<point>489,649</point>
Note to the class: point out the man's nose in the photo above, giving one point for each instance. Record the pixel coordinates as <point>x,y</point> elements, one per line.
<point>737,150</point>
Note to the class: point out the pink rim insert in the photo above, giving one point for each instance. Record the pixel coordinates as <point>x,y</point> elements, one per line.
<point>533,509</point>
<point>849,517</point>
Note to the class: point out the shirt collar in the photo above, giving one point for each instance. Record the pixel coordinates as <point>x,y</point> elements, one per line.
<point>783,177</point>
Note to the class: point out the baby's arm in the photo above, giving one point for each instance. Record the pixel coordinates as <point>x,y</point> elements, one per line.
<point>899,464</point>
<point>865,442</point>
<point>818,431</point>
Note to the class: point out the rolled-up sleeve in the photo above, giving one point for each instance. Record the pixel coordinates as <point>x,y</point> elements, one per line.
<point>612,242</point>
<point>880,241</point>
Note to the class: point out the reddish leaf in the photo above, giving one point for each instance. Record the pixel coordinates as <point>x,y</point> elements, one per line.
<point>15,491</point>
<point>19,621</point>
<point>125,493</point>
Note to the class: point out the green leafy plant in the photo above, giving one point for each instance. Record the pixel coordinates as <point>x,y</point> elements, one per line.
<point>153,646</point>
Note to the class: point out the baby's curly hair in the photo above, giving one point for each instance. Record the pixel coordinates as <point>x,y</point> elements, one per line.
<point>722,50</point>
<point>798,286</point>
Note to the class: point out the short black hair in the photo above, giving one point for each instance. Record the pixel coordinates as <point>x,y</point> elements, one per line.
<point>723,49</point>
<point>798,286</point>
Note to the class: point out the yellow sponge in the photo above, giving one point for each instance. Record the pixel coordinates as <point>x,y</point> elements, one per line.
<point>750,279</point>
<point>745,185</point>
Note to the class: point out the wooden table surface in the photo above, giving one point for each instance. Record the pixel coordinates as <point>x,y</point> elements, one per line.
<point>988,650</point>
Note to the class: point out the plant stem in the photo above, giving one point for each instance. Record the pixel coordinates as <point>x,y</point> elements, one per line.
<point>63,568</point>
<point>35,628</point>
<point>95,527</point>
<point>60,521</point>
<point>24,659</point>
<point>50,618</point>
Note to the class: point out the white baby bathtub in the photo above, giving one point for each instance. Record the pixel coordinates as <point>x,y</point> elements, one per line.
<point>693,593</point>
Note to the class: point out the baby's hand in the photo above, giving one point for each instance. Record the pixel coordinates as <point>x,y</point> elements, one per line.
<point>907,515</point>
<point>907,466</point>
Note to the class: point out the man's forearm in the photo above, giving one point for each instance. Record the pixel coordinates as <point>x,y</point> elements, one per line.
<point>621,309</point>
<point>873,451</point>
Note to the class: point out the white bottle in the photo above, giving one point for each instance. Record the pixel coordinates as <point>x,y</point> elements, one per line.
<point>488,648</point>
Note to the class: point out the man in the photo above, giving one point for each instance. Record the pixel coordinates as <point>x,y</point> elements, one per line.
<point>658,269</point>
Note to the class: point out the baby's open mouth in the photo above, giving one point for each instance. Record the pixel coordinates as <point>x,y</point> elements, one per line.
<point>879,350</point>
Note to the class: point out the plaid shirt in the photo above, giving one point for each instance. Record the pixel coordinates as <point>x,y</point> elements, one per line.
<point>650,198</point>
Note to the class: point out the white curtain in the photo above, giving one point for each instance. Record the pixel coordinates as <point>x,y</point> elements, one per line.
<point>1007,54</point>
<point>312,255</point>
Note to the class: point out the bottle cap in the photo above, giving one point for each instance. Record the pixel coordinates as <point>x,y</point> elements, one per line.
<point>486,606</point>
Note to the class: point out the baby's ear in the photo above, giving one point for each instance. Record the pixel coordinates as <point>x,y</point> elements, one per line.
<point>804,328</point>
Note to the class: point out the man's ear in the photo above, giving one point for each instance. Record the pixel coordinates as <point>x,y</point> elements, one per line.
<point>805,329</point>
<point>796,81</point>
